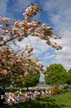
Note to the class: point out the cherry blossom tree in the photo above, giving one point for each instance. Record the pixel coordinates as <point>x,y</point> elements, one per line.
<point>11,63</point>
<point>21,29</point>
<point>14,66</point>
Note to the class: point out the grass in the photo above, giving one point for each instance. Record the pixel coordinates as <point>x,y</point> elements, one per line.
<point>63,99</point>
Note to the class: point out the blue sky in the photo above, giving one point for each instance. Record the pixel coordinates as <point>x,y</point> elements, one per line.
<point>56,13</point>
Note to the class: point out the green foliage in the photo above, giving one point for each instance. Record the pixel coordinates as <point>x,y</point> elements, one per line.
<point>64,89</point>
<point>47,103</point>
<point>31,79</point>
<point>68,79</point>
<point>55,74</point>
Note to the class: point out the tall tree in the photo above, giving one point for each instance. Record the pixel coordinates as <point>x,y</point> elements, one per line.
<point>55,74</point>
<point>13,31</point>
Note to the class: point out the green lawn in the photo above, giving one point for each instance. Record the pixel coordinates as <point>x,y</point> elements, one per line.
<point>64,99</point>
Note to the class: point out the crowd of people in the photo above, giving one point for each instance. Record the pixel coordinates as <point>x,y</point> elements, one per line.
<point>18,96</point>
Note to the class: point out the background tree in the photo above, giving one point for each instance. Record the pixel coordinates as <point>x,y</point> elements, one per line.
<point>55,74</point>
<point>68,79</point>
<point>32,79</point>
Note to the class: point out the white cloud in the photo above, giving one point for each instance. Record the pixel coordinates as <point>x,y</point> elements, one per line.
<point>39,45</point>
<point>60,15</point>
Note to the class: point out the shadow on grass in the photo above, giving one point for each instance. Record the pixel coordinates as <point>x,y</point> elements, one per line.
<point>45,103</point>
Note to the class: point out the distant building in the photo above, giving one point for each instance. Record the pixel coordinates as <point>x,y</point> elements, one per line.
<point>43,84</point>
